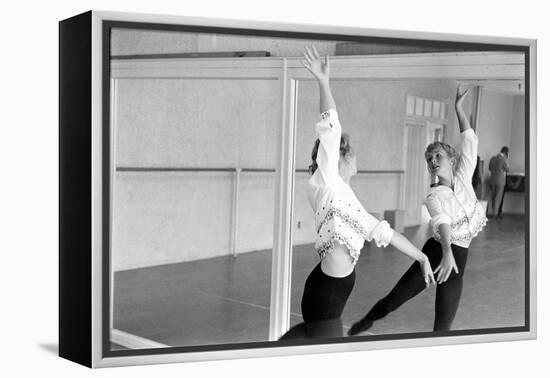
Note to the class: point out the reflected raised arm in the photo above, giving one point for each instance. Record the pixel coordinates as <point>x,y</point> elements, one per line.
<point>321,70</point>
<point>463,122</point>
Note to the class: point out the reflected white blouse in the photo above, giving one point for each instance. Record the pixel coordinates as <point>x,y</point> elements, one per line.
<point>339,216</point>
<point>459,207</point>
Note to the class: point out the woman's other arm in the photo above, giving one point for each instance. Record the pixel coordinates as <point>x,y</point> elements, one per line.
<point>407,248</point>
<point>463,122</point>
<point>469,142</point>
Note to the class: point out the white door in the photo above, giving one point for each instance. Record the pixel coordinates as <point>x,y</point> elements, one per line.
<point>418,135</point>
<point>435,132</point>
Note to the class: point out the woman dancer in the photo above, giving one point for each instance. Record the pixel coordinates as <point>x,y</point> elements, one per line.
<point>341,221</point>
<point>457,217</point>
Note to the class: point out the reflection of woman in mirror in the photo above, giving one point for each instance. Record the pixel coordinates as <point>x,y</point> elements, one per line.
<point>457,217</point>
<point>341,221</point>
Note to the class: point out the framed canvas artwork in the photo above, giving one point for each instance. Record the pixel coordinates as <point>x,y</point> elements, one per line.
<point>234,189</point>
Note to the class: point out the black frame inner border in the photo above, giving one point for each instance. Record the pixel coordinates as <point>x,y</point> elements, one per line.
<point>108,25</point>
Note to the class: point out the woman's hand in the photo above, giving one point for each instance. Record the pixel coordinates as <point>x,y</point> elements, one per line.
<point>427,270</point>
<point>460,97</point>
<point>315,65</point>
<point>446,267</point>
<point>404,246</point>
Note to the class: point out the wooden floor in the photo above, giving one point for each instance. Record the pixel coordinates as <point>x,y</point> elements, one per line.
<point>226,300</point>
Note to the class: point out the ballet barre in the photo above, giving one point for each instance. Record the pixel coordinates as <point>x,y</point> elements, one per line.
<point>222,169</point>
<point>236,185</point>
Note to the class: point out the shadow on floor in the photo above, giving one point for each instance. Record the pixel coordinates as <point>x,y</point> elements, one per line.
<point>51,348</point>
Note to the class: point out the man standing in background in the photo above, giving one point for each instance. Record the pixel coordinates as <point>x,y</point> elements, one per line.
<point>498,166</point>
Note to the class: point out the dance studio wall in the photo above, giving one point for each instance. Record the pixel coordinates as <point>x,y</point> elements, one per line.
<point>515,202</point>
<point>501,123</point>
<point>167,217</point>
<point>517,144</point>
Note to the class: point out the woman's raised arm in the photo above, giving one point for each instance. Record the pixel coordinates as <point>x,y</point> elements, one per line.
<point>321,71</point>
<point>463,122</point>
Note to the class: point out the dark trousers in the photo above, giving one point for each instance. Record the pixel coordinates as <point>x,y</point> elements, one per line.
<point>496,198</point>
<point>501,201</point>
<point>323,302</point>
<point>447,295</point>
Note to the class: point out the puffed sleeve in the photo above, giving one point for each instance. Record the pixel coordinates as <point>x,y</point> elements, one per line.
<point>375,229</point>
<point>437,212</point>
<point>468,154</point>
<point>329,131</point>
<point>381,233</point>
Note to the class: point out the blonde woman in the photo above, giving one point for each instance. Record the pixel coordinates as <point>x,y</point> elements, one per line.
<point>457,217</point>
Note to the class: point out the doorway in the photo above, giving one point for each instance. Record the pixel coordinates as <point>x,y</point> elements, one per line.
<point>417,136</point>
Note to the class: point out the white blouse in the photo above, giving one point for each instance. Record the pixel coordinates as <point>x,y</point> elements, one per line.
<point>339,216</point>
<point>459,207</point>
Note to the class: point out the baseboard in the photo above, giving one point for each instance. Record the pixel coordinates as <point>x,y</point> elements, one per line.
<point>132,341</point>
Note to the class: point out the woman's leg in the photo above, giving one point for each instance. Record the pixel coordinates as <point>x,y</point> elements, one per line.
<point>324,296</point>
<point>325,328</point>
<point>309,304</point>
<point>296,332</point>
<point>316,329</point>
<point>323,302</point>
<point>447,295</point>
<point>408,286</point>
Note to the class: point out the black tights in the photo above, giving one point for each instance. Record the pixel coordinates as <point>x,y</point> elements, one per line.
<point>447,296</point>
<point>323,302</point>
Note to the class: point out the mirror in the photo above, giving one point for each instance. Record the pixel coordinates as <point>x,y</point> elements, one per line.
<point>211,230</point>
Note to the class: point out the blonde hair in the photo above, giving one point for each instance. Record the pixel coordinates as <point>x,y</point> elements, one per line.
<point>450,150</point>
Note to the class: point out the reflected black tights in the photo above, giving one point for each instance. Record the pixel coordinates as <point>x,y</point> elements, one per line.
<point>323,302</point>
<point>447,295</point>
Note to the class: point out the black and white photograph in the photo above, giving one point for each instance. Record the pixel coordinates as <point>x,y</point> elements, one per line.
<point>299,188</point>
<point>274,189</point>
